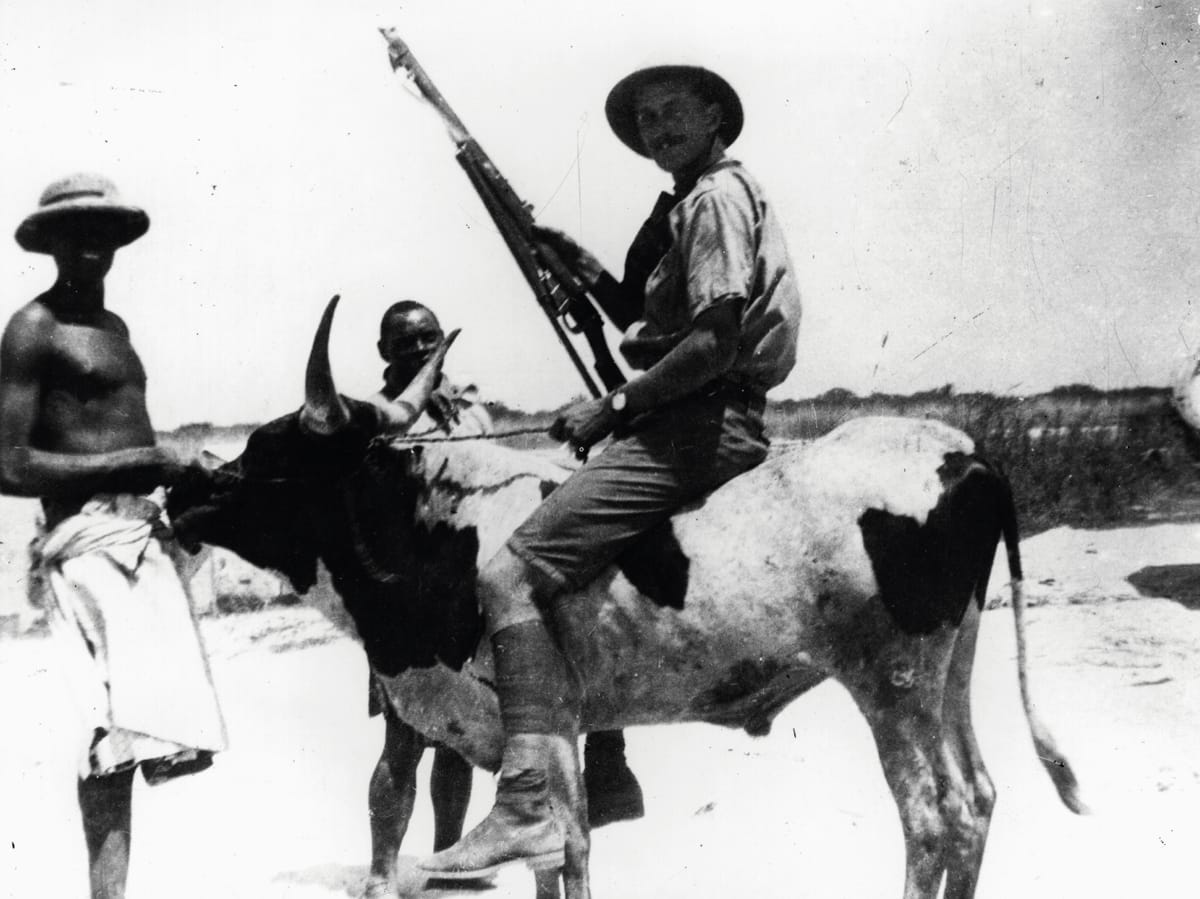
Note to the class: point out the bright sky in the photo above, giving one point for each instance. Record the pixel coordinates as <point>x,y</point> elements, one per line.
<point>1005,198</point>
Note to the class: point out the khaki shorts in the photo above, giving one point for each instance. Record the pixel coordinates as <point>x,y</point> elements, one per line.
<point>670,457</point>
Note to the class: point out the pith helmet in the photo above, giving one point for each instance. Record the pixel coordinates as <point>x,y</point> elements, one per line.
<point>81,201</point>
<point>619,107</point>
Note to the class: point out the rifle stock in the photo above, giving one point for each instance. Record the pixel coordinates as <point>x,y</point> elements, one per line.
<point>560,292</point>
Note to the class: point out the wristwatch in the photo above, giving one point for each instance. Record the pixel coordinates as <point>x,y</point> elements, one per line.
<point>617,401</point>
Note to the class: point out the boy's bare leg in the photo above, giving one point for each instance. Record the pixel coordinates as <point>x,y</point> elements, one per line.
<point>450,786</point>
<point>393,791</point>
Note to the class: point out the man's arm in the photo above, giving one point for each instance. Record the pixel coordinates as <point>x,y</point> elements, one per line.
<point>29,471</point>
<point>716,240</point>
<point>703,355</point>
<point>622,303</point>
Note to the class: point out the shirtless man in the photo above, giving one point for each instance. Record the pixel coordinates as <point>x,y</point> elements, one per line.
<point>75,431</point>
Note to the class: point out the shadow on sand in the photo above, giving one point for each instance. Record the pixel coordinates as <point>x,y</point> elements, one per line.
<point>1178,582</point>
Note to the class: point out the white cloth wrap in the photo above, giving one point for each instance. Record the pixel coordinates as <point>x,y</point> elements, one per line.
<point>131,648</point>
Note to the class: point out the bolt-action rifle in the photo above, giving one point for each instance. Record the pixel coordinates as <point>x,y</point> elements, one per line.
<point>560,291</point>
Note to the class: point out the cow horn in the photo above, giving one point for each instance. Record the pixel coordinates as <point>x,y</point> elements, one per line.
<point>324,411</point>
<point>401,412</point>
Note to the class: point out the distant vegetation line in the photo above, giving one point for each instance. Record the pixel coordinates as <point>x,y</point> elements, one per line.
<point>1075,455</point>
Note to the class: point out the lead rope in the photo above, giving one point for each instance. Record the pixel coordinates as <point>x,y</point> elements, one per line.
<point>424,436</point>
<point>581,452</point>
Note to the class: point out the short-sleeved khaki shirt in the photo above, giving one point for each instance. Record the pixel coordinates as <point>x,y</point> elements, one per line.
<point>727,245</point>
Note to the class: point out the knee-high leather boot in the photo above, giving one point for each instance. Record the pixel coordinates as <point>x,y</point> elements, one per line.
<point>535,689</point>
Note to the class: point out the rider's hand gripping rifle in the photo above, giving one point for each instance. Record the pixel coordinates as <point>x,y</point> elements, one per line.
<point>560,292</point>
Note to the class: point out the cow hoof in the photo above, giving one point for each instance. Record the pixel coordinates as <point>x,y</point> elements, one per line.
<point>613,796</point>
<point>379,888</point>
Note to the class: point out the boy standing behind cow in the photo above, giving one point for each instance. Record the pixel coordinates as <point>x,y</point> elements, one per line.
<point>75,431</point>
<point>409,333</point>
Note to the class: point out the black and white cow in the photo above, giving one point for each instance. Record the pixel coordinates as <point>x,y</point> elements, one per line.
<point>862,557</point>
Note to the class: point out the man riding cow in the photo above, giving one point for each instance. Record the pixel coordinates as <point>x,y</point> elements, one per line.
<point>863,557</point>
<point>714,310</point>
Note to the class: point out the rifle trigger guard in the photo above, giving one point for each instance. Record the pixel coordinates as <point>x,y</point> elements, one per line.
<point>571,325</point>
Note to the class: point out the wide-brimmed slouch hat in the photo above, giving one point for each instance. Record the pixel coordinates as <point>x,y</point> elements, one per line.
<point>619,107</point>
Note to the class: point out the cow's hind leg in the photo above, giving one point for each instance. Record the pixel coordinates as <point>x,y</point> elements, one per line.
<point>903,706</point>
<point>392,793</point>
<point>908,739</point>
<point>930,761</point>
<point>965,857</point>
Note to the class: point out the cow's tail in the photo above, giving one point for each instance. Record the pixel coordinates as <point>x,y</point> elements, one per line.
<point>1055,762</point>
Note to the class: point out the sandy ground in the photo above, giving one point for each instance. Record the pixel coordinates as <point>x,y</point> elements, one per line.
<point>803,812</point>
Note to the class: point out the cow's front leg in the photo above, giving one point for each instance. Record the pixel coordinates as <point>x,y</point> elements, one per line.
<point>570,806</point>
<point>392,793</point>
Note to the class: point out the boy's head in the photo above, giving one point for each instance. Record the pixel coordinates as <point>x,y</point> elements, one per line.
<point>408,335</point>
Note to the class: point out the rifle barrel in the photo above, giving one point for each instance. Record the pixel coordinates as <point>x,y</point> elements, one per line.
<point>558,289</point>
<point>526,261</point>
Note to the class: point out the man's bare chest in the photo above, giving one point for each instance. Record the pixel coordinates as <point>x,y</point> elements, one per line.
<point>91,362</point>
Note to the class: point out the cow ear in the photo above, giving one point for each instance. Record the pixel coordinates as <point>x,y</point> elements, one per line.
<point>414,458</point>
<point>396,461</point>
